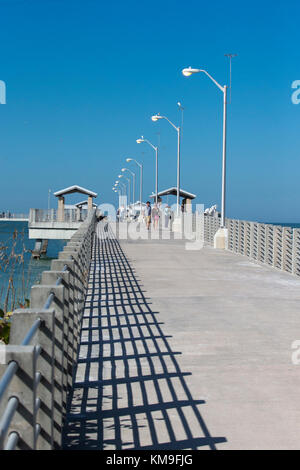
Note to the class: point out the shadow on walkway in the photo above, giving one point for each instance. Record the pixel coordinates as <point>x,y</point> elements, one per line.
<point>129,391</point>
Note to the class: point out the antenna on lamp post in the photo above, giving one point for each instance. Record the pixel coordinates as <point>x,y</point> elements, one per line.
<point>182,110</point>
<point>49,192</point>
<point>230,57</point>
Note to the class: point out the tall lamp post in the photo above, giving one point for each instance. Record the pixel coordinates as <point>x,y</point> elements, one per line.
<point>49,192</point>
<point>125,189</point>
<point>133,182</point>
<point>141,180</point>
<point>222,234</point>
<point>124,194</point>
<point>154,118</point>
<point>140,141</point>
<point>116,190</point>
<point>128,181</point>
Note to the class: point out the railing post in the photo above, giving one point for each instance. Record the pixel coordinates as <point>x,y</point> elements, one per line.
<point>287,249</point>
<point>236,235</point>
<point>50,278</point>
<point>22,319</point>
<point>295,252</point>
<point>73,333</point>
<point>38,297</point>
<point>78,286</point>
<point>231,235</point>
<point>268,244</point>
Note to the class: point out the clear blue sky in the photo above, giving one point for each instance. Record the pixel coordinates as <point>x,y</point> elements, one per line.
<point>83,78</point>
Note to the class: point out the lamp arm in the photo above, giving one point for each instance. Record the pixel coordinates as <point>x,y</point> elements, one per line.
<point>173,125</point>
<point>213,80</point>
<point>137,163</point>
<point>131,172</point>
<point>148,142</point>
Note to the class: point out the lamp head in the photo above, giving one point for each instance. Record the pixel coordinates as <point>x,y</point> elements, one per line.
<point>123,169</point>
<point>156,117</point>
<point>140,140</point>
<point>187,72</point>
<point>128,159</point>
<point>120,176</point>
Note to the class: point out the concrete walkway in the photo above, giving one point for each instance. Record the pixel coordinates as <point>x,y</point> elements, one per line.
<point>185,350</point>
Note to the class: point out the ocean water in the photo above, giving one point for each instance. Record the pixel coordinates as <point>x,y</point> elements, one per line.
<point>14,236</point>
<point>292,225</point>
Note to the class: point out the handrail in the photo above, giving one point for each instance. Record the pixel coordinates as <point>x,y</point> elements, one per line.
<point>36,325</point>
<point>48,301</point>
<point>12,441</point>
<point>7,417</point>
<point>7,377</point>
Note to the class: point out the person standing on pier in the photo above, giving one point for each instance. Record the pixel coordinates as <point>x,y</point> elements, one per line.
<point>155,216</point>
<point>168,216</point>
<point>148,214</point>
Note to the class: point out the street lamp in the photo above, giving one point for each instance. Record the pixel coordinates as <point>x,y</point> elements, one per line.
<point>49,192</point>
<point>124,193</point>
<point>190,71</point>
<point>123,188</point>
<point>128,180</point>
<point>141,180</point>
<point>155,118</point>
<point>119,192</point>
<point>133,177</point>
<point>140,141</point>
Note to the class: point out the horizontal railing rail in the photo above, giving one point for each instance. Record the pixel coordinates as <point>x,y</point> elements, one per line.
<point>42,352</point>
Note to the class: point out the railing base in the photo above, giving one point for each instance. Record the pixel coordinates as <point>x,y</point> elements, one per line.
<point>221,239</point>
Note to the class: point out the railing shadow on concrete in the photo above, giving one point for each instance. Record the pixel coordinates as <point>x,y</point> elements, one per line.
<point>129,392</point>
<point>40,358</point>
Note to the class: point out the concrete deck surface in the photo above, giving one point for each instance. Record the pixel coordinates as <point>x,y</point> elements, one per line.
<point>232,321</point>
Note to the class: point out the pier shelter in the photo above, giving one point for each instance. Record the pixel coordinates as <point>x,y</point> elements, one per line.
<point>60,224</point>
<point>70,190</point>
<point>186,196</point>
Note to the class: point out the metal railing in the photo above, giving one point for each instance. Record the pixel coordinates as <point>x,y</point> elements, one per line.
<point>43,349</point>
<point>53,215</point>
<point>269,244</point>
<point>211,225</point>
<point>9,215</point>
